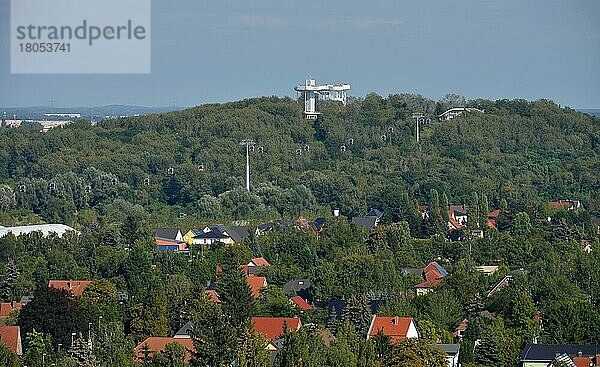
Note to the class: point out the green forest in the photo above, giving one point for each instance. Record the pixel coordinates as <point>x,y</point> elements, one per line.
<point>119,180</point>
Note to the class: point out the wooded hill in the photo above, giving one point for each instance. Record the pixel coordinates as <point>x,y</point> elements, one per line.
<point>526,153</point>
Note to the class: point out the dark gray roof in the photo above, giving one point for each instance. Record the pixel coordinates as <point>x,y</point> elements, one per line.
<point>450,349</point>
<point>296,285</point>
<point>413,271</point>
<point>318,224</point>
<point>547,352</point>
<point>166,233</point>
<point>367,222</point>
<point>238,233</point>
<point>265,227</point>
<point>375,213</point>
<point>185,330</point>
<point>212,234</point>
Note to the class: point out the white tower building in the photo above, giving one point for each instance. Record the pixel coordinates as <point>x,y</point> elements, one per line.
<point>312,92</point>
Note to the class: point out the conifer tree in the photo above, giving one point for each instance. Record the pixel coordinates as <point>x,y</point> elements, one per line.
<point>10,281</point>
<point>81,352</point>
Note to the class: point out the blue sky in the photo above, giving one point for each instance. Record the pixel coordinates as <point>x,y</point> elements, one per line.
<point>223,50</point>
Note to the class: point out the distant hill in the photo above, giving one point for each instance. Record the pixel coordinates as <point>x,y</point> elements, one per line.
<point>591,111</point>
<point>87,113</point>
<point>352,158</point>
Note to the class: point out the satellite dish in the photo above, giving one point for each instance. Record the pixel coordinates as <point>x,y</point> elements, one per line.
<point>261,149</point>
<point>391,129</point>
<point>114,181</point>
<point>147,181</point>
<point>350,141</point>
<point>23,188</point>
<point>201,168</point>
<point>306,148</point>
<point>251,148</point>
<point>299,151</point>
<point>182,215</point>
<point>343,148</point>
<point>52,186</point>
<point>88,189</point>
<point>171,171</point>
<point>383,137</point>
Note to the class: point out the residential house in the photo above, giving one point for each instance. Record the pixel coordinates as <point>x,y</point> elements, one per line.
<point>452,353</point>
<point>457,217</point>
<point>300,287</point>
<point>6,308</point>
<point>455,112</point>
<point>239,233</point>
<point>300,303</point>
<point>256,283</point>
<point>500,284</point>
<point>255,265</point>
<point>397,328</point>
<point>184,332</point>
<point>168,234</point>
<point>166,245</point>
<point>492,220</point>
<point>155,344</point>
<point>432,275</point>
<point>460,329</point>
<point>424,210</point>
<point>317,225</point>
<point>170,239</point>
<point>208,236</point>
<point>213,295</point>
<point>370,220</point>
<point>264,228</point>
<point>76,287</point>
<point>272,327</point>
<point>488,270</point>
<point>10,336</point>
<point>258,262</point>
<point>542,355</point>
<point>565,205</point>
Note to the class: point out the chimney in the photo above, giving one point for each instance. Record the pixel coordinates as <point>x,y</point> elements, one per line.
<point>395,321</point>
<point>69,285</point>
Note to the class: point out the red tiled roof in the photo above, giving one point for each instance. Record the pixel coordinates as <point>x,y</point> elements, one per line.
<point>422,208</point>
<point>560,204</point>
<point>11,337</point>
<point>157,344</point>
<point>394,327</point>
<point>301,302</point>
<point>213,295</point>
<point>582,361</point>
<point>7,307</point>
<point>272,327</point>
<point>433,274</point>
<point>494,214</point>
<point>260,261</point>
<point>454,222</point>
<point>429,283</point>
<point>256,283</point>
<point>491,223</point>
<point>76,287</point>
